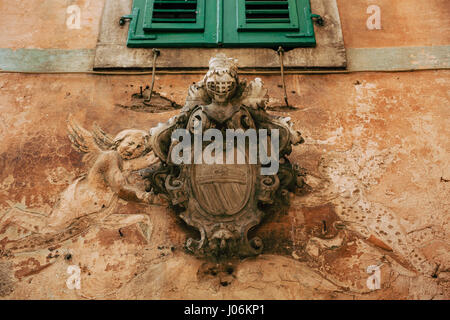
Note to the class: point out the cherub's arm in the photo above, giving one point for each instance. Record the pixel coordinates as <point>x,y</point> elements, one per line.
<point>139,163</point>
<point>111,167</point>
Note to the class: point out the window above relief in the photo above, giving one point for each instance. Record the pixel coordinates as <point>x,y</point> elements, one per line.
<point>190,38</point>
<point>221,23</point>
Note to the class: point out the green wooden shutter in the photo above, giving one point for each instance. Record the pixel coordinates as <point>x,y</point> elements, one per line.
<point>172,23</point>
<point>227,23</point>
<point>269,23</point>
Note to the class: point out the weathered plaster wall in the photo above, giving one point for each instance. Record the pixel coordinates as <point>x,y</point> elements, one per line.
<point>41,24</point>
<point>404,23</point>
<point>376,151</point>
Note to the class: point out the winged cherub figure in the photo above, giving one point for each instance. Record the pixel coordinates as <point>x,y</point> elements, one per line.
<point>93,197</point>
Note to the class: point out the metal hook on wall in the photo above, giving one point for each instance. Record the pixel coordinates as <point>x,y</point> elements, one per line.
<point>280,52</point>
<point>156,53</point>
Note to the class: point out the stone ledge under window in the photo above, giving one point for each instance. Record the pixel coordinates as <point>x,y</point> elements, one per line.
<point>113,53</point>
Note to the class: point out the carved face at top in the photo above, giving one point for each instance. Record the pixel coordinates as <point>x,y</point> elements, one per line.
<point>220,85</point>
<point>132,144</point>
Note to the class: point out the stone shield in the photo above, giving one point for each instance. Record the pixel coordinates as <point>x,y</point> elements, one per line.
<point>221,189</point>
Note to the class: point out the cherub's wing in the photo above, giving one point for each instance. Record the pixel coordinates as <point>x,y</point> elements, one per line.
<point>102,139</point>
<point>91,144</point>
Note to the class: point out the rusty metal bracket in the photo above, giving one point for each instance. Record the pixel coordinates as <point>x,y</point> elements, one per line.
<point>123,19</point>
<point>280,52</point>
<point>318,19</point>
<point>156,53</point>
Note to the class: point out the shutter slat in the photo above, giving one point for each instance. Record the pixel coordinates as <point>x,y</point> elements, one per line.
<point>175,10</point>
<point>173,20</point>
<point>167,11</point>
<point>262,2</point>
<point>267,11</point>
<point>271,20</point>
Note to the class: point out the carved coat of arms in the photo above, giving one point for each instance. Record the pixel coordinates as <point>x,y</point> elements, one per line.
<point>223,199</point>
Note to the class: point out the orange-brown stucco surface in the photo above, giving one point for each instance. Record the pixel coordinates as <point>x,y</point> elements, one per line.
<point>376,151</point>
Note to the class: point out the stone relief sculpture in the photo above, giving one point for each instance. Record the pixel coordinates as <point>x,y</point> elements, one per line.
<point>334,226</point>
<point>92,198</point>
<point>223,201</point>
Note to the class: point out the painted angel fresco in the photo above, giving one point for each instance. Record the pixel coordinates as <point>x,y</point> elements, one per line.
<point>93,197</point>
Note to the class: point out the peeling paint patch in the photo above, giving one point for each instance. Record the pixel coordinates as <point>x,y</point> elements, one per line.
<point>398,58</point>
<point>48,60</point>
<point>6,280</point>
